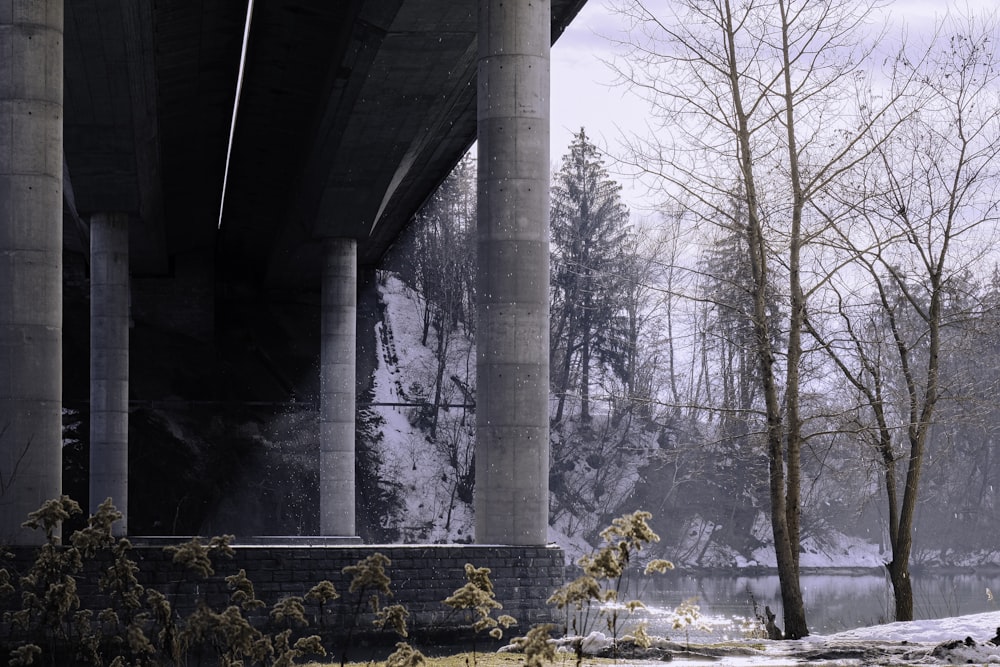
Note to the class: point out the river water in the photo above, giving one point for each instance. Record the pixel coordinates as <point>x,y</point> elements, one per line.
<point>834,600</point>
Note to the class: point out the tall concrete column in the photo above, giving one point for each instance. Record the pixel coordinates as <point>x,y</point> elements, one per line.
<point>31,164</point>
<point>337,387</point>
<point>109,316</point>
<point>512,385</point>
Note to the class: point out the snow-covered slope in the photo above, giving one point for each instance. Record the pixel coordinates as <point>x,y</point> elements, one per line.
<point>437,505</point>
<point>432,512</point>
<point>594,472</point>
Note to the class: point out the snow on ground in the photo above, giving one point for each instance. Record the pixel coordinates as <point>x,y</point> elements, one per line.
<point>837,550</point>
<point>573,547</point>
<point>956,640</point>
<point>959,640</point>
<point>978,626</point>
<point>408,457</point>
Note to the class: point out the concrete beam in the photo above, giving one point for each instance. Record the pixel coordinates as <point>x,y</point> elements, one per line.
<point>512,434</point>
<point>31,166</point>
<point>337,387</point>
<point>109,348</point>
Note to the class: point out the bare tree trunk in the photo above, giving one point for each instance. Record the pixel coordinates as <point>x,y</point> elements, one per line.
<point>793,427</point>
<point>786,544</point>
<point>585,376</point>
<point>441,354</point>
<point>562,384</point>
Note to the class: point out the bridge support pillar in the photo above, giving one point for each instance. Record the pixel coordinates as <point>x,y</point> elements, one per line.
<point>512,430</point>
<point>337,387</point>
<point>31,175</point>
<point>109,348</point>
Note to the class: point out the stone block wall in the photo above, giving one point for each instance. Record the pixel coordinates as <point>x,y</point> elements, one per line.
<point>422,576</point>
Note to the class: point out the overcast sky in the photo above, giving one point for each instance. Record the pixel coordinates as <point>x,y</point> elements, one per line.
<point>583,94</point>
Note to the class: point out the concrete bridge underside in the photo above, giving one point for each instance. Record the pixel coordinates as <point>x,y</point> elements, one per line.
<point>121,171</point>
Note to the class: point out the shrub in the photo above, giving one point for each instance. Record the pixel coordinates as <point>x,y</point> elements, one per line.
<point>140,626</point>
<point>476,596</point>
<point>595,594</point>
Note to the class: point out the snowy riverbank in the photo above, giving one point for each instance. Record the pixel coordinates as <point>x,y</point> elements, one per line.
<point>957,640</point>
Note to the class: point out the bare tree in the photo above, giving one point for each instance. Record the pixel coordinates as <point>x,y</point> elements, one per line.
<point>925,208</point>
<point>444,258</point>
<point>644,342</point>
<point>761,98</point>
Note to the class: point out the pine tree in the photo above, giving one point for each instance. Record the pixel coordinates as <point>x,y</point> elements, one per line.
<point>589,225</point>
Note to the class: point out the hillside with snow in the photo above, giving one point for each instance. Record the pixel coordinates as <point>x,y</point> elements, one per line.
<point>432,473</point>
<point>595,472</point>
<point>600,469</point>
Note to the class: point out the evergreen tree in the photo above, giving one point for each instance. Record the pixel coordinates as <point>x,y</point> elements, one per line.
<point>589,225</point>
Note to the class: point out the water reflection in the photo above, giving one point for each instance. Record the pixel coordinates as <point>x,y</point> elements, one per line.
<point>834,601</point>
